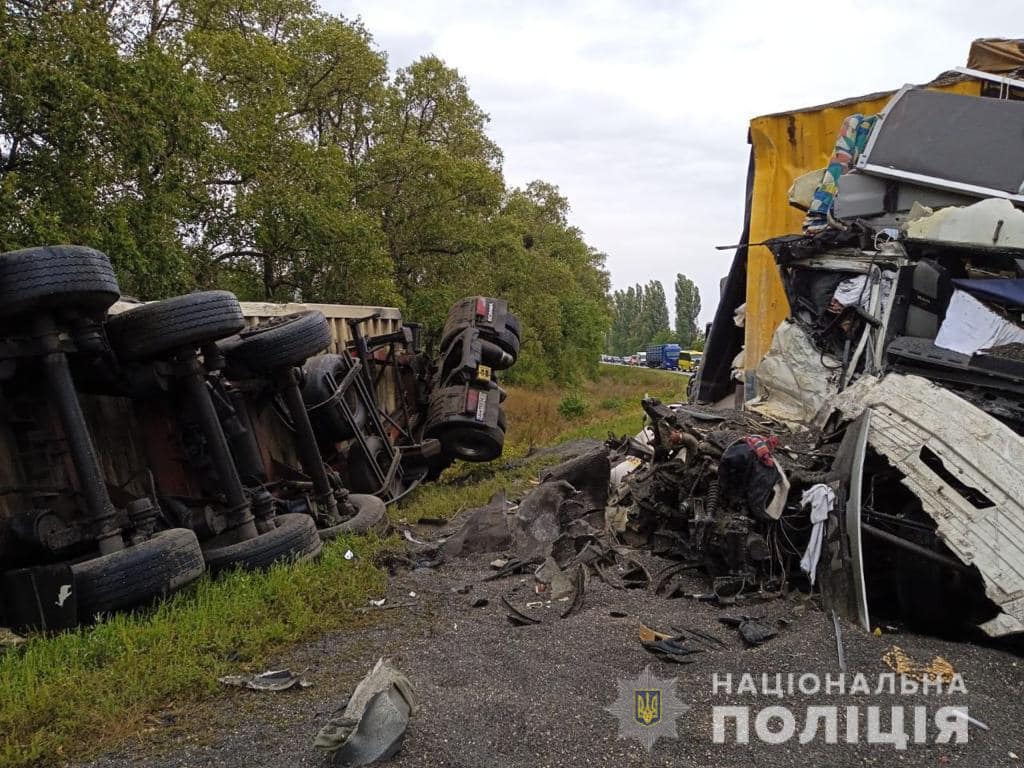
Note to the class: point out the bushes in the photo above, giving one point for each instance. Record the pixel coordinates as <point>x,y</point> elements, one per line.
<point>573,406</point>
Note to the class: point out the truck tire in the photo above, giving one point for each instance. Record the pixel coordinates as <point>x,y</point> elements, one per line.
<point>448,404</point>
<point>193,320</point>
<point>509,342</point>
<point>460,433</point>
<point>281,342</point>
<point>371,515</point>
<point>496,356</point>
<point>505,340</point>
<point>360,472</point>
<point>463,315</point>
<point>329,422</point>
<point>513,326</point>
<point>294,540</point>
<point>54,277</point>
<point>467,351</point>
<point>470,442</point>
<point>138,574</point>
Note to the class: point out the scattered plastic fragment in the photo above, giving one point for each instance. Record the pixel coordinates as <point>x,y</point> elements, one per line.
<point>517,617</point>
<point>648,635</point>
<point>711,641</point>
<point>510,568</point>
<point>754,631</point>
<point>10,639</point>
<point>667,647</point>
<point>271,680</point>
<point>579,583</point>
<point>407,534</point>
<point>972,720</point>
<point>372,726</point>
<point>840,651</point>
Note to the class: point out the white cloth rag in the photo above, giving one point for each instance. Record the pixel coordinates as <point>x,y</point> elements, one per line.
<point>822,499</point>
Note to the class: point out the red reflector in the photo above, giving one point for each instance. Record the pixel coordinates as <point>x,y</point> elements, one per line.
<point>472,399</point>
<point>481,307</point>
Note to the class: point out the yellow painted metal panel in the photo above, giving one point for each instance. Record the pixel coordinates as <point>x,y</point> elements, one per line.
<point>786,146</point>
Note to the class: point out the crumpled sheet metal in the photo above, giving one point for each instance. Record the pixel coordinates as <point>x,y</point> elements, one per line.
<point>909,413</point>
<point>484,529</point>
<point>541,517</point>
<point>372,727</point>
<point>552,581</point>
<point>623,468</point>
<point>793,380</point>
<point>567,493</point>
<point>588,474</point>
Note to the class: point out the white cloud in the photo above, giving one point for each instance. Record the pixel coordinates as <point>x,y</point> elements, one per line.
<point>638,110</point>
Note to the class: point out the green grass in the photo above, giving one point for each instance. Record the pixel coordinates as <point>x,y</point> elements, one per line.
<point>535,420</point>
<point>68,696</point>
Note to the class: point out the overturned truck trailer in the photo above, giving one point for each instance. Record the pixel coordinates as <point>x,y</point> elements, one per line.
<point>878,301</point>
<point>143,443</point>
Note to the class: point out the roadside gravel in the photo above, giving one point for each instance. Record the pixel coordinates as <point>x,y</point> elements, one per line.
<point>491,694</point>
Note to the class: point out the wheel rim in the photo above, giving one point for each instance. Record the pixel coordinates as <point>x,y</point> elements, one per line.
<point>473,445</point>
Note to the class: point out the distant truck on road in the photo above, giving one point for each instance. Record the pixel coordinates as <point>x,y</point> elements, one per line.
<point>689,359</point>
<point>664,356</point>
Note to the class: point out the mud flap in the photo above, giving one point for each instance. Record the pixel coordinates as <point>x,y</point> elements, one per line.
<point>43,598</point>
<point>841,572</point>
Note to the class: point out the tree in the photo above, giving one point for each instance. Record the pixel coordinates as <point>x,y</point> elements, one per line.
<point>555,281</point>
<point>625,321</point>
<point>639,318</point>
<point>280,219</point>
<point>653,313</point>
<point>687,311</point>
<point>102,134</point>
<point>434,176</point>
<point>262,147</point>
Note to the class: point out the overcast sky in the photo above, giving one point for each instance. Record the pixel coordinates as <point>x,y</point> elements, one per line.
<point>638,111</point>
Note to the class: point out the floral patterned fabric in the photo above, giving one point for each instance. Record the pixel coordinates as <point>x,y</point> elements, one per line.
<point>853,136</point>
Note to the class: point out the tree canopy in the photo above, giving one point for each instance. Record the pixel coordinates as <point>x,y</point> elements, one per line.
<point>687,311</point>
<point>639,318</point>
<point>262,146</point>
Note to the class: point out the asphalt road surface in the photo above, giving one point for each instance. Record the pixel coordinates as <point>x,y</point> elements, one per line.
<point>493,694</point>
